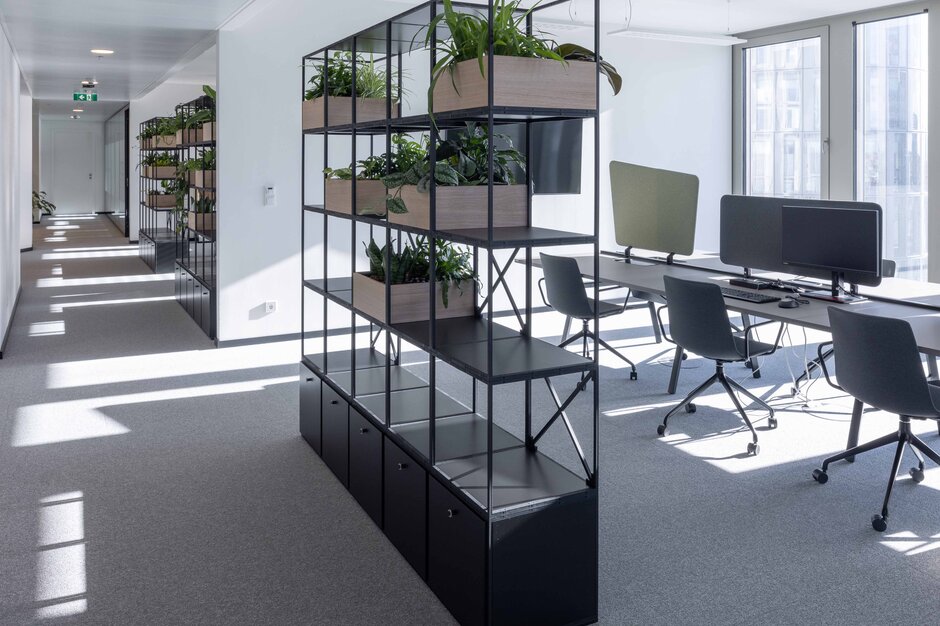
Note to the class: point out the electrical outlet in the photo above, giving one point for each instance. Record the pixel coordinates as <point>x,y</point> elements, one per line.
<point>270,306</point>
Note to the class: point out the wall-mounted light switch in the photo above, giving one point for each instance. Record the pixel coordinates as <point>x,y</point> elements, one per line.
<point>270,196</point>
<point>270,306</point>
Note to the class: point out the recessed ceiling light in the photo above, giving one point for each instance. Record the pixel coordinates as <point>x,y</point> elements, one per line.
<point>101,51</point>
<point>78,110</point>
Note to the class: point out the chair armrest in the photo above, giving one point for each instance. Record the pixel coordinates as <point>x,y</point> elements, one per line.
<point>747,337</point>
<point>822,363</point>
<point>662,327</point>
<point>542,291</point>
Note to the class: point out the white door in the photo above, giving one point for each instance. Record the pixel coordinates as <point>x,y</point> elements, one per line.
<point>74,171</point>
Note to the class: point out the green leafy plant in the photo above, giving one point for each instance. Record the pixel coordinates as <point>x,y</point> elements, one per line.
<point>205,114</point>
<point>461,161</point>
<point>337,75</point>
<point>453,265</point>
<point>160,159</point>
<point>405,154</point>
<point>41,205</point>
<point>203,205</point>
<point>371,168</point>
<point>469,39</point>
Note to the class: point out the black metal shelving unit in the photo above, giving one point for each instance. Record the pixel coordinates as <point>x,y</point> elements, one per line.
<point>157,223</point>
<point>459,479</point>
<point>196,245</point>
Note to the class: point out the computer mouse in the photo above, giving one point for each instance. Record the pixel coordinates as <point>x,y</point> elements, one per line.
<point>788,304</point>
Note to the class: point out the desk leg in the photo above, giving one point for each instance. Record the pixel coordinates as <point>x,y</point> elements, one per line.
<point>655,323</point>
<point>753,362</point>
<point>853,428</point>
<point>932,368</point>
<point>676,366</point>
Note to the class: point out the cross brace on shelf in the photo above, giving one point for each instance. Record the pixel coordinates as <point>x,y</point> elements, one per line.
<point>560,412</point>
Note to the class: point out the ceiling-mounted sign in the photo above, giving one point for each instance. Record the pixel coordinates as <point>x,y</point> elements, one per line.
<point>79,96</point>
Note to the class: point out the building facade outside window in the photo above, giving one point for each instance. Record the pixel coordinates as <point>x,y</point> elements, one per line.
<point>783,100</point>
<point>891,141</point>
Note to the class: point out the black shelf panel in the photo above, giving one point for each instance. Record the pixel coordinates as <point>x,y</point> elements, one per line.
<point>452,331</point>
<point>455,119</point>
<point>197,144</point>
<point>159,235</point>
<point>521,478</point>
<point>335,290</point>
<point>411,405</point>
<point>456,437</point>
<point>371,380</point>
<point>503,237</point>
<point>341,360</point>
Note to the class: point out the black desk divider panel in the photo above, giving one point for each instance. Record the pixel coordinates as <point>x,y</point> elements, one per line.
<point>751,235</point>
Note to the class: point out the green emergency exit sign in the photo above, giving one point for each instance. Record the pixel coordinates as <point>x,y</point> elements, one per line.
<point>84,97</point>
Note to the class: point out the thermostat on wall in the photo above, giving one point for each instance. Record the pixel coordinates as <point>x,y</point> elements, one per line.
<point>270,196</point>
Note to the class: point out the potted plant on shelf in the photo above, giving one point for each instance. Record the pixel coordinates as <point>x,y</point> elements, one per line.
<point>200,172</point>
<point>336,76</point>
<point>164,133</point>
<point>41,206</point>
<point>201,216</point>
<point>160,165</point>
<point>202,122</point>
<point>409,275</point>
<point>529,70</point>
<point>461,178</point>
<point>165,197</point>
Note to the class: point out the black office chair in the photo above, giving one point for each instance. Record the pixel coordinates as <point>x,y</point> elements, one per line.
<point>698,323</point>
<point>566,294</point>
<point>878,363</point>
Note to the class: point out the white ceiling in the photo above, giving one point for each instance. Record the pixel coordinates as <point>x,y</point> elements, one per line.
<point>151,39</point>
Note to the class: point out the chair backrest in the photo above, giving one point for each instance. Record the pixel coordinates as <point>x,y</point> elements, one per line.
<point>698,319</point>
<point>565,287</point>
<point>877,361</point>
<point>888,268</point>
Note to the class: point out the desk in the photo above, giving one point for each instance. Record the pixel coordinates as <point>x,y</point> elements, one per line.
<point>647,276</point>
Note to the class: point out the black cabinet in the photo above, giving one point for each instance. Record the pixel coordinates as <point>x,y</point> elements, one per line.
<point>335,429</point>
<point>406,503</point>
<point>456,555</point>
<point>365,464</point>
<point>310,408</point>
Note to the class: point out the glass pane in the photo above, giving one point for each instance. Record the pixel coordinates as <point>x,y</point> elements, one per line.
<point>784,113</point>
<point>891,143</point>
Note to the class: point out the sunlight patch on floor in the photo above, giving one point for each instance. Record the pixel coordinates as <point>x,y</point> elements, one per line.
<point>910,544</point>
<point>60,307</point>
<point>61,584</point>
<point>102,280</point>
<point>46,329</point>
<point>103,254</point>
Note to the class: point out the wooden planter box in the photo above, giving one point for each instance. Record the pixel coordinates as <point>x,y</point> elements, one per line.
<point>189,135</point>
<point>207,132</point>
<point>161,200</point>
<point>370,197</point>
<point>410,301</point>
<point>163,141</point>
<point>202,178</point>
<point>161,172</point>
<point>463,207</point>
<point>367,110</point>
<point>519,82</point>
<point>203,222</point>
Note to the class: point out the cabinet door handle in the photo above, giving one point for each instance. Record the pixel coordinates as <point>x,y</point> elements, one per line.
<point>363,431</point>
<point>334,401</point>
<point>451,512</point>
<point>402,466</point>
<point>309,380</point>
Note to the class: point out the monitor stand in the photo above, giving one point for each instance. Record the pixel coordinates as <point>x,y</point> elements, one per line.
<point>836,293</point>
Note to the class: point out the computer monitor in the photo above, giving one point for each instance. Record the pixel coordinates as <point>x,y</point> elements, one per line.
<point>837,240</point>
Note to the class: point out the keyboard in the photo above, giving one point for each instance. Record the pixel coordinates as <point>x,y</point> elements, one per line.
<point>749,296</point>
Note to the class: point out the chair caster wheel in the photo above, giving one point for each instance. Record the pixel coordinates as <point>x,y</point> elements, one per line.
<point>772,423</point>
<point>690,408</point>
<point>794,391</point>
<point>820,476</point>
<point>917,475</point>
<point>685,356</point>
<point>753,449</point>
<point>661,430</point>
<point>879,523</point>
<point>748,364</point>
<point>633,375</point>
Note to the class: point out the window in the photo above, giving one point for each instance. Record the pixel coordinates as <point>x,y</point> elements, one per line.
<point>891,140</point>
<point>783,126</point>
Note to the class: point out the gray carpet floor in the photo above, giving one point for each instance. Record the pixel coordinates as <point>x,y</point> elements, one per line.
<point>149,478</point>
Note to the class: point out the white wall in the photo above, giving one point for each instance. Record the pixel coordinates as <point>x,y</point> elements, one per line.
<point>49,129</point>
<point>25,204</point>
<point>10,183</point>
<point>673,112</point>
<point>161,102</point>
<point>115,145</point>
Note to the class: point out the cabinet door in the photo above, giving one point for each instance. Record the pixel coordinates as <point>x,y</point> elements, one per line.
<point>206,315</point>
<point>406,503</point>
<point>189,294</point>
<point>310,408</point>
<point>365,464</point>
<point>335,431</point>
<point>456,555</point>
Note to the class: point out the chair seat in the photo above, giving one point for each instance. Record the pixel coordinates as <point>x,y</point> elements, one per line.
<point>606,309</point>
<point>646,296</point>
<point>757,348</point>
<point>933,387</point>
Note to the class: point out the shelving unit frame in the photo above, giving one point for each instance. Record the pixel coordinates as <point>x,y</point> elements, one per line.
<point>156,237</point>
<point>502,532</point>
<point>197,259</point>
